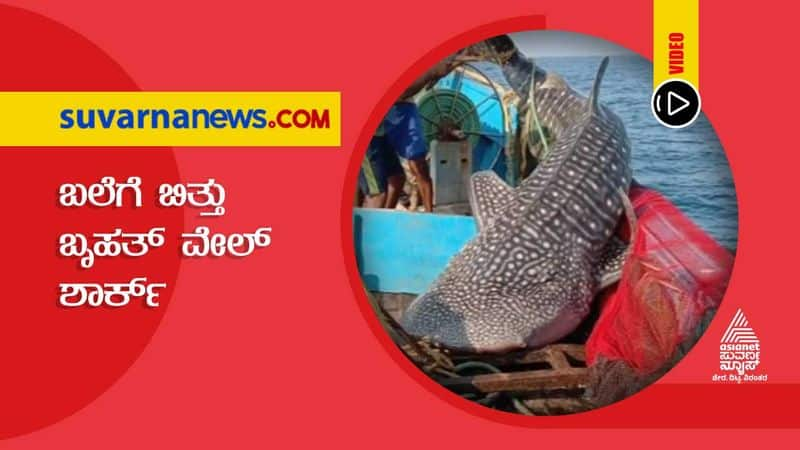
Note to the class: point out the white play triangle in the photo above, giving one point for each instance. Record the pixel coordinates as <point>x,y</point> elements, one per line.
<point>683,103</point>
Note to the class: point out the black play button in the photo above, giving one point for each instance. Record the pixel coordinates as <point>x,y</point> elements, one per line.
<point>676,103</point>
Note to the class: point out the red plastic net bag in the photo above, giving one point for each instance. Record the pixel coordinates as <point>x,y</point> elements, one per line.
<point>674,275</point>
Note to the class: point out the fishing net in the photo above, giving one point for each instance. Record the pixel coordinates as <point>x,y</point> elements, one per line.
<point>672,282</point>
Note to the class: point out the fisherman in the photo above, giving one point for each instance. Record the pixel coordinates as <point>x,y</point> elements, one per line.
<point>400,135</point>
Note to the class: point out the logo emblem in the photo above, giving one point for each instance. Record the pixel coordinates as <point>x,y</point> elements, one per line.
<point>739,331</point>
<point>739,352</point>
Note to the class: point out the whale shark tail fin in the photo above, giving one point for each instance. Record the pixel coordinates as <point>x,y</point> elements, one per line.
<point>612,258</point>
<point>616,252</point>
<point>593,106</point>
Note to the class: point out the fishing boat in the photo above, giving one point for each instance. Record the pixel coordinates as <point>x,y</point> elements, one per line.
<point>674,265</point>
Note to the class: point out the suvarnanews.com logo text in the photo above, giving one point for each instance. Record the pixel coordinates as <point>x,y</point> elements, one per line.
<point>739,353</point>
<point>170,119</point>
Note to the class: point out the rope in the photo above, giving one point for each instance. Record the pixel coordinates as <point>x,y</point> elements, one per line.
<point>477,365</point>
<point>443,366</point>
<point>534,115</point>
<point>531,113</point>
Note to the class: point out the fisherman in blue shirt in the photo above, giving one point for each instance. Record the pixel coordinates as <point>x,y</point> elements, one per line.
<point>400,135</point>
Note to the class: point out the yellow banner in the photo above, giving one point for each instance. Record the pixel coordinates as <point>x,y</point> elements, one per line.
<point>187,119</point>
<point>675,41</point>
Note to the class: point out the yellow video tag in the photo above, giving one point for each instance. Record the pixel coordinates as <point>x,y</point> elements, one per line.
<point>675,41</point>
<point>170,119</point>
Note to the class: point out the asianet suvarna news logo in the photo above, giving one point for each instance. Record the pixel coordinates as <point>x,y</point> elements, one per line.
<point>207,119</point>
<point>739,353</point>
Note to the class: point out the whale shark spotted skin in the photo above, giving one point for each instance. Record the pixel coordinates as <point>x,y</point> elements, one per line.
<point>543,249</point>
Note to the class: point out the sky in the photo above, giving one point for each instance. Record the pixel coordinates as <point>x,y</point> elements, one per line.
<point>562,43</point>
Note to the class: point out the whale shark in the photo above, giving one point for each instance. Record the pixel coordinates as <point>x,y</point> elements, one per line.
<point>545,248</point>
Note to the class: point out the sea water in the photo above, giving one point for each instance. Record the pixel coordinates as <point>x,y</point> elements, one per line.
<point>687,165</point>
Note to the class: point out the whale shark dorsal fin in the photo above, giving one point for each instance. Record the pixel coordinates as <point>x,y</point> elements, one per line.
<point>595,94</point>
<point>488,195</point>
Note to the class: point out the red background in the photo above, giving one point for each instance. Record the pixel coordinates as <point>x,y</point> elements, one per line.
<point>274,348</point>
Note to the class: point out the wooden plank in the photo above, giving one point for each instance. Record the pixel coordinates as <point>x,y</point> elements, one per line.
<point>531,380</point>
<point>400,251</point>
<point>562,355</point>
